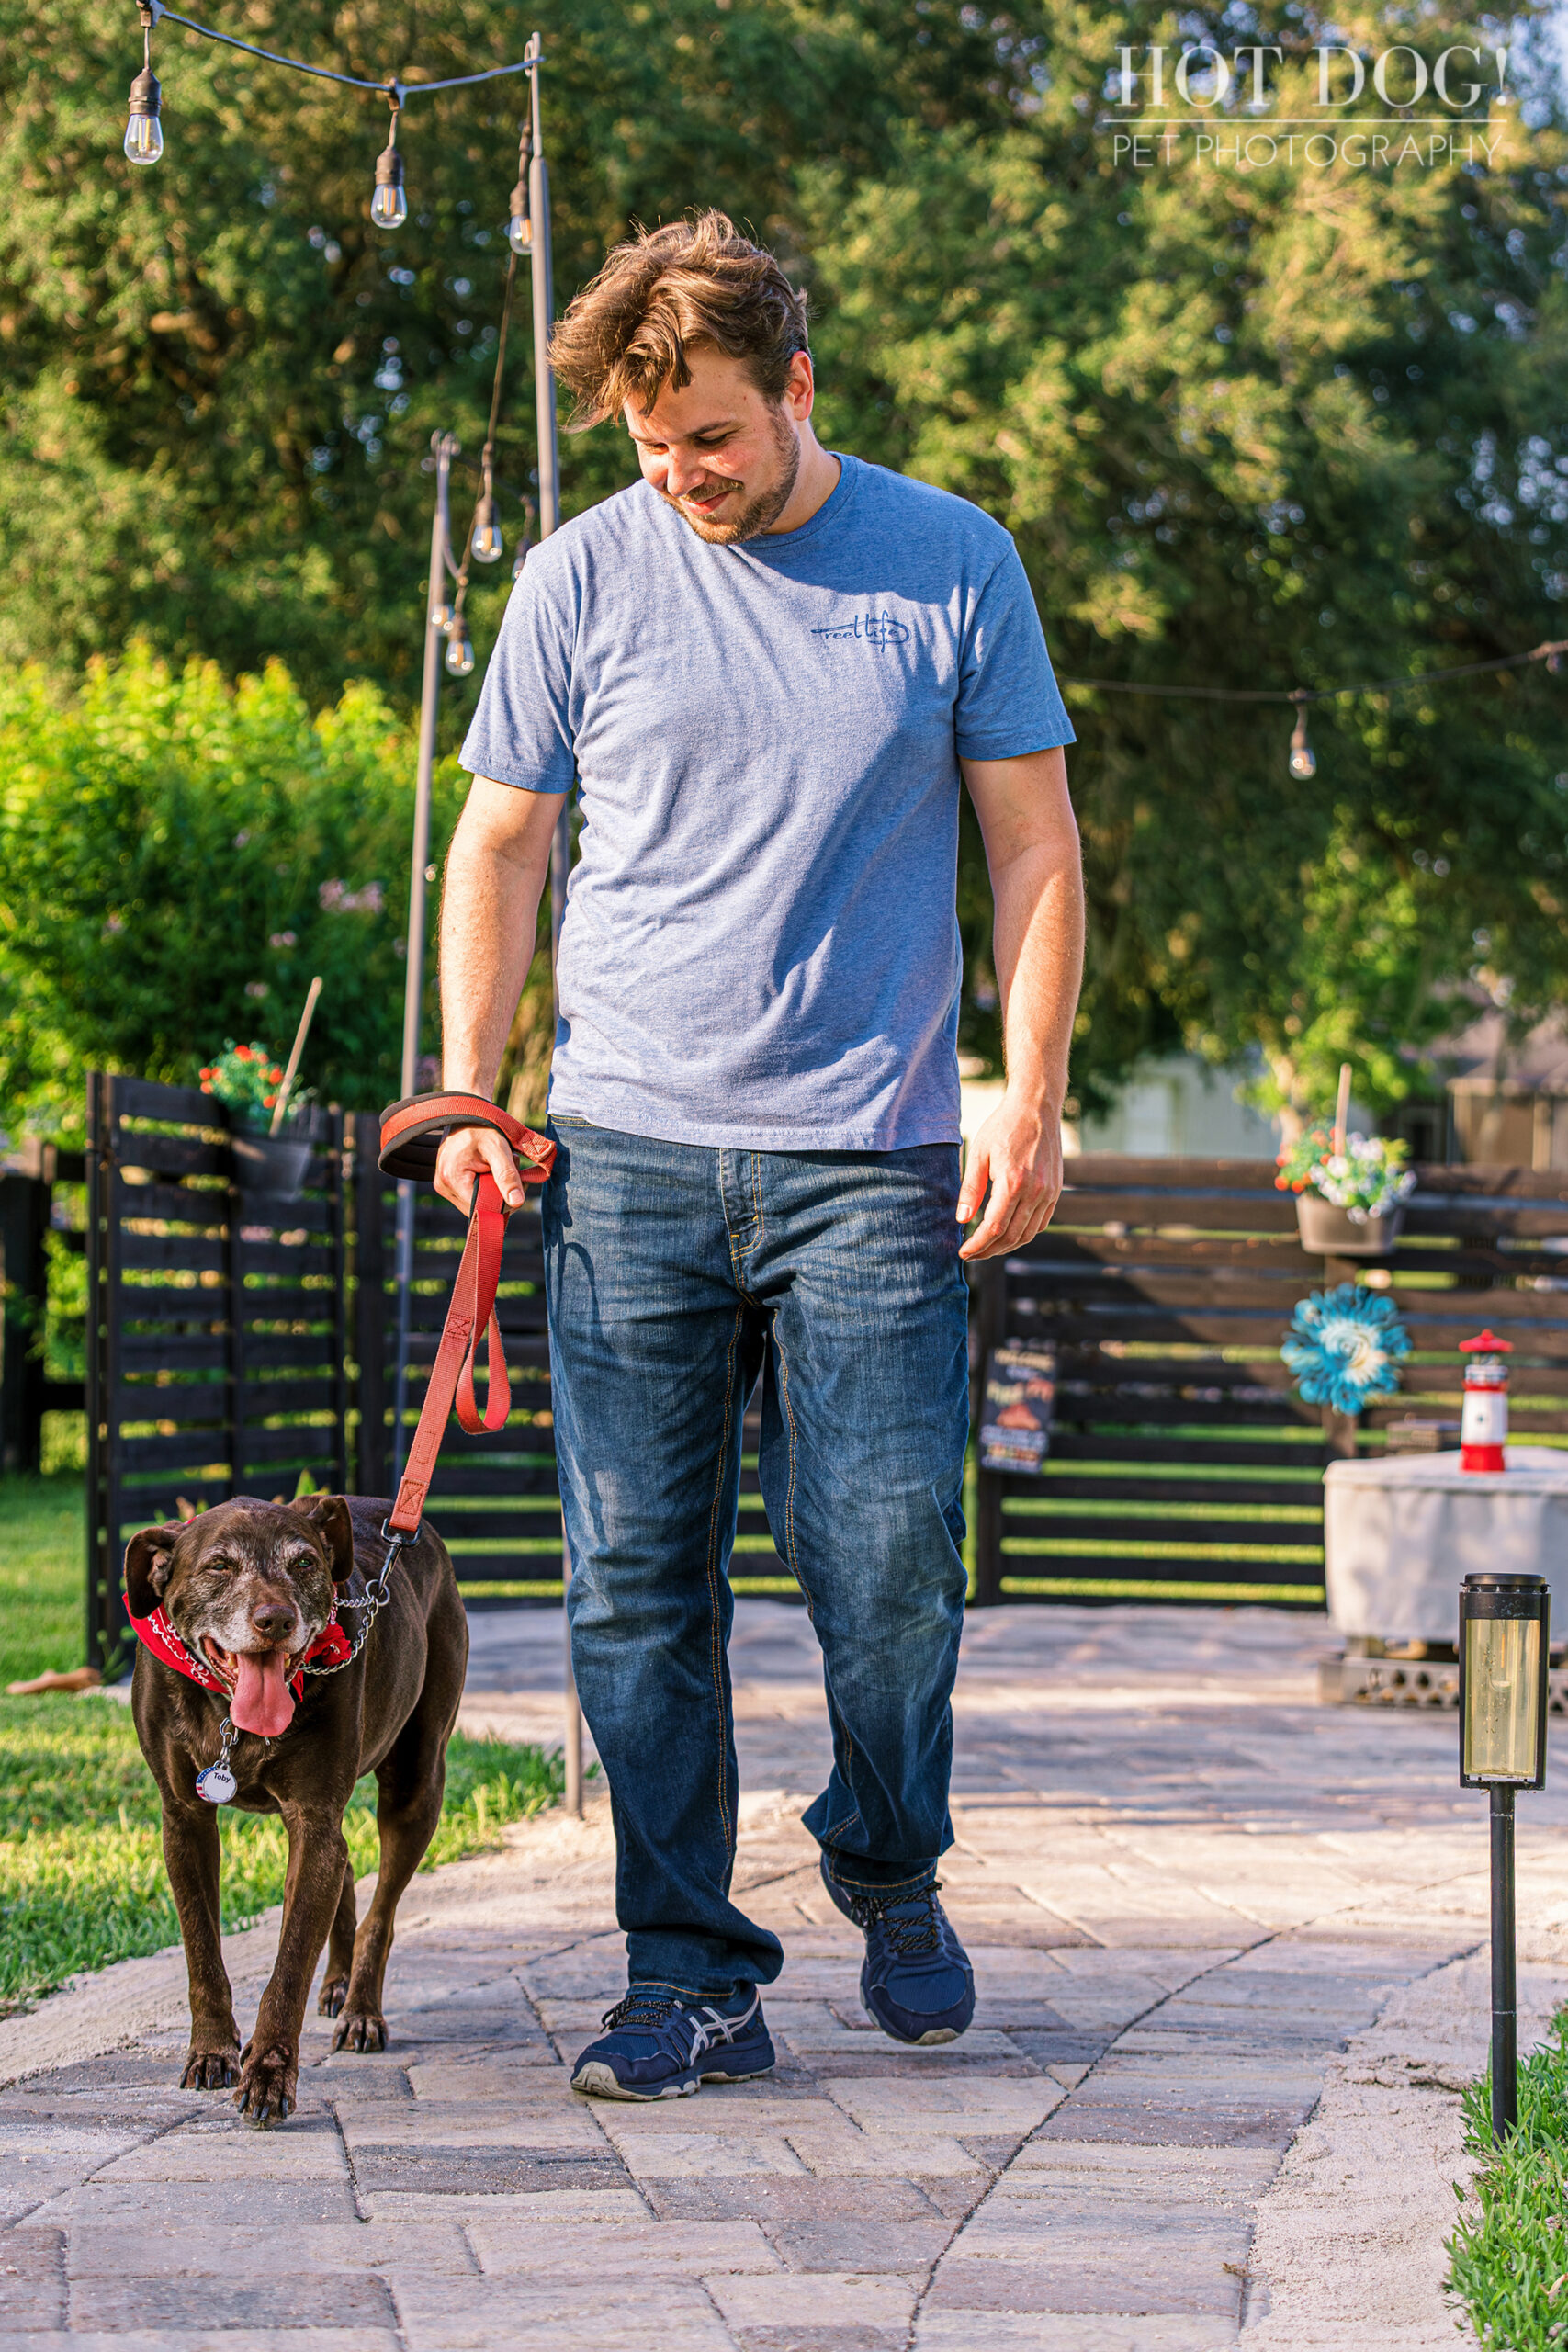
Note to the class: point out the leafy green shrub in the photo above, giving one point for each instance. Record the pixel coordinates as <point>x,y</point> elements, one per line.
<point>178,857</point>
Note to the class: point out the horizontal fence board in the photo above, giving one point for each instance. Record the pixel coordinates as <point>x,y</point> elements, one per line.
<point>1431,1327</point>
<point>176,1205</point>
<point>183,1253</point>
<point>165,1303</point>
<point>1259,1494</point>
<point>193,1450</point>
<point>457,1477</point>
<point>1112,1168</point>
<point>1019,1560</point>
<point>1221,1451</point>
<point>259,1399</point>
<point>168,1155</point>
<point>496,1567</point>
<point>1087,1528</point>
<point>1227,1288</point>
<point>1267,1216</point>
<point>145,1098</point>
<point>1164,1409</point>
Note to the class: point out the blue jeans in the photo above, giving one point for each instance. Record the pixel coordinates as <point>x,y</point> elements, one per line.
<point>675,1273</point>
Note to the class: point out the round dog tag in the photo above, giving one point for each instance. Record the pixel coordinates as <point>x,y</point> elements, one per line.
<point>217,1784</point>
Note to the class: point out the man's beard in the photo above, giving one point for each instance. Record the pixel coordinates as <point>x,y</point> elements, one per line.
<point>764,510</point>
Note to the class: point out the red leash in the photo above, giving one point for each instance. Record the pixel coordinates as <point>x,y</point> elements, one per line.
<point>411,1134</point>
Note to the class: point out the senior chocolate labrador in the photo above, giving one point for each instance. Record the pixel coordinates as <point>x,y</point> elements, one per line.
<point>251,1613</point>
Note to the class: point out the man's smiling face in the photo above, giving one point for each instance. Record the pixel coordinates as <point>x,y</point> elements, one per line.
<point>718,450</point>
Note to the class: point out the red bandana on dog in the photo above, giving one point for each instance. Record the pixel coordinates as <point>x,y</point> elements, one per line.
<point>158,1635</point>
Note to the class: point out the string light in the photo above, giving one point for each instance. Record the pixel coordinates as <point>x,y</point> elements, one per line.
<point>1304,760</point>
<point>520,226</point>
<point>389,206</point>
<point>143,131</point>
<point>1303,764</point>
<point>460,648</point>
<point>488,545</point>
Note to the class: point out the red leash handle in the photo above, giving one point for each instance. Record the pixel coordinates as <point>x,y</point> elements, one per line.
<point>411,1132</point>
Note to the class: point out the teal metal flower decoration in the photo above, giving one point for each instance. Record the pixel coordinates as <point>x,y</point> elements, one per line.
<point>1345,1346</point>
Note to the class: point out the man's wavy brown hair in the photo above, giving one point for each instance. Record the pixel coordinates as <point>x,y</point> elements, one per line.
<point>627,334</point>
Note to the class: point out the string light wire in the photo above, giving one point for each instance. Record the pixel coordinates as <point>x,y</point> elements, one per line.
<point>155,9</point>
<point>1551,653</point>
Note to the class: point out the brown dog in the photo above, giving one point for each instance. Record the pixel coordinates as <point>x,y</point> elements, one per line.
<point>248,1589</point>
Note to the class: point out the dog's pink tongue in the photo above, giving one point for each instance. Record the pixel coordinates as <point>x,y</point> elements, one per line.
<point>262,1701</point>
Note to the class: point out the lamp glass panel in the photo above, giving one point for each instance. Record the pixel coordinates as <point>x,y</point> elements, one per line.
<point>1502,1679</point>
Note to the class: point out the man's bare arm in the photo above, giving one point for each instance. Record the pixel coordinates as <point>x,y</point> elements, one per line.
<point>1031,848</point>
<point>490,912</point>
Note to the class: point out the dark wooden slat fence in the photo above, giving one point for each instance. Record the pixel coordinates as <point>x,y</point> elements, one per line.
<point>217,1355</point>
<point>235,1341</point>
<point>1182,1465</point>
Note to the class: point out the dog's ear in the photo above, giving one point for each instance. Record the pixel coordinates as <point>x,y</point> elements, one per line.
<point>147,1561</point>
<point>328,1514</point>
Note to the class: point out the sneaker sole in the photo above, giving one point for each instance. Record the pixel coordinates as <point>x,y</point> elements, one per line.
<point>598,2081</point>
<point>926,2041</point>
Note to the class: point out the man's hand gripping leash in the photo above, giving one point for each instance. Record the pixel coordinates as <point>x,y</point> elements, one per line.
<point>411,1135</point>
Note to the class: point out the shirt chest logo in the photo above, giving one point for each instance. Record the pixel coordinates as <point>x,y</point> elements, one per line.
<point>870,628</point>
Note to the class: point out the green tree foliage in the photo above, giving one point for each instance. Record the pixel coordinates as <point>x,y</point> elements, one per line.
<point>221,380</point>
<point>1274,427</point>
<point>178,858</point>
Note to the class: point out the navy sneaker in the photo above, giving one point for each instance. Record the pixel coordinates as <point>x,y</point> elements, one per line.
<point>665,2045</point>
<point>916,1982</point>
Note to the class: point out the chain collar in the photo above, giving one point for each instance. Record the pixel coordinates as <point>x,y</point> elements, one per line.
<point>217,1782</point>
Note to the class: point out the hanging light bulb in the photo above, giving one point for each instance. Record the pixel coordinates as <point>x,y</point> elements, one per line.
<point>143,131</point>
<point>460,648</point>
<point>1303,766</point>
<point>389,206</point>
<point>441,618</point>
<point>520,226</point>
<point>488,545</point>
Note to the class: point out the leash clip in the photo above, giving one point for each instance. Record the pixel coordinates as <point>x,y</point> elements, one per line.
<point>217,1783</point>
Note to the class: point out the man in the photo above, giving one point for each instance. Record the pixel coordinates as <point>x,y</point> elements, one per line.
<point>766,666</point>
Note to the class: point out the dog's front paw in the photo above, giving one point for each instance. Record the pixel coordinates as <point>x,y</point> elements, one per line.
<point>269,2083</point>
<point>360,2029</point>
<point>211,2066</point>
<point>334,1993</point>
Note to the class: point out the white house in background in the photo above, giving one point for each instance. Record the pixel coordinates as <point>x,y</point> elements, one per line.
<point>1175,1105</point>
<point>1179,1104</point>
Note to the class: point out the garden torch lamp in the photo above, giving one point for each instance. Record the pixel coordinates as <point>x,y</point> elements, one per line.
<point>1504,1623</point>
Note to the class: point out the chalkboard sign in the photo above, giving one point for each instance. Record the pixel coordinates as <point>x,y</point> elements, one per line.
<point>1015,1412</point>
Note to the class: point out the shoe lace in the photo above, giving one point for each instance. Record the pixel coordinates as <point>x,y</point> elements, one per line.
<point>645,2007</point>
<point>910,1931</point>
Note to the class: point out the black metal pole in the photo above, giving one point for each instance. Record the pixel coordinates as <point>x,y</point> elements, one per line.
<point>1505,1999</point>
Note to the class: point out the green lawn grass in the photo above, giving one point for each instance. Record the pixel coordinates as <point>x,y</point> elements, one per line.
<point>82,1879</point>
<point>43,1574</point>
<point>1509,2257</point>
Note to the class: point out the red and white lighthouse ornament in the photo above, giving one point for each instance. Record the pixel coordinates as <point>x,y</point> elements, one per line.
<point>1484,1425</point>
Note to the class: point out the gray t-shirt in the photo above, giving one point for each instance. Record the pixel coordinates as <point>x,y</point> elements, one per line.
<point>761,948</point>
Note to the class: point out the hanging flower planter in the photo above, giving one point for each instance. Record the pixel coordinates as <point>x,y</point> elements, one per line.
<point>277,1164</point>
<point>254,1091</point>
<point>1350,1191</point>
<point>1332,1232</point>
